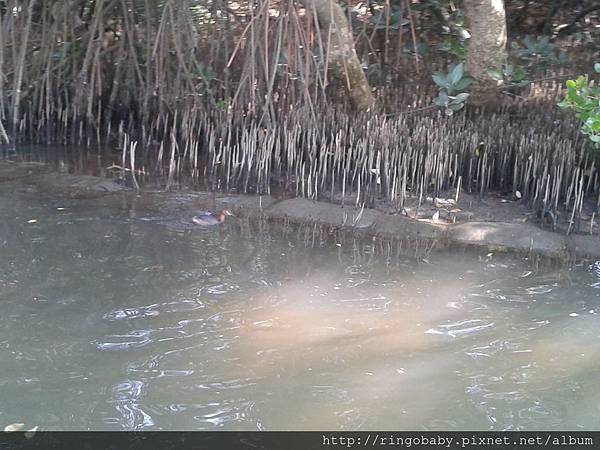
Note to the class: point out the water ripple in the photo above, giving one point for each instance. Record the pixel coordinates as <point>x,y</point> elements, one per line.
<point>126,400</point>
<point>133,339</point>
<point>457,329</point>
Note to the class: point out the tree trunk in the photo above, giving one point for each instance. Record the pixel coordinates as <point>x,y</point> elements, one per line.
<point>487,47</point>
<point>343,61</point>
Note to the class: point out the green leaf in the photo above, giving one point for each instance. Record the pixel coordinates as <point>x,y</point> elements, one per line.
<point>496,74</point>
<point>519,75</point>
<point>456,106</point>
<point>440,80</point>
<point>462,97</point>
<point>463,83</point>
<point>597,67</point>
<point>594,124</point>
<point>456,73</point>
<point>582,81</point>
<point>441,100</point>
<point>584,99</point>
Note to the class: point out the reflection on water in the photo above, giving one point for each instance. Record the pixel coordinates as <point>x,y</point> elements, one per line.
<point>114,323</point>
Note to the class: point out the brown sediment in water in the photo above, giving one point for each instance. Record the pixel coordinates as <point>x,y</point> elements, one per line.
<point>306,324</point>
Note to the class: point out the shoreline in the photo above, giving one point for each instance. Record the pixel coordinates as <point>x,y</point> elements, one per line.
<point>494,235</point>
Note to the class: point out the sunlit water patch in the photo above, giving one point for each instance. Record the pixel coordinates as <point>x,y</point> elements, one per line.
<point>112,322</point>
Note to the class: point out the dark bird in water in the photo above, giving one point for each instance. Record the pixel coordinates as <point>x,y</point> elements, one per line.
<point>208,219</point>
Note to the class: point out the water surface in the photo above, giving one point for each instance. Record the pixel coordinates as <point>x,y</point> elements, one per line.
<point>109,322</point>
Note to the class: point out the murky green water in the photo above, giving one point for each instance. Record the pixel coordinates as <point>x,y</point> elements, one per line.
<point>109,322</point>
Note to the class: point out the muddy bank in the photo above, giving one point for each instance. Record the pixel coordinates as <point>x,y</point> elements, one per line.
<point>499,236</point>
<point>518,236</point>
<point>40,176</point>
<point>495,233</point>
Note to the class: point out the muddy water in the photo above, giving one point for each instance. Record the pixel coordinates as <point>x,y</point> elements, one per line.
<point>110,322</point>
